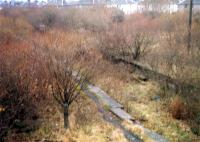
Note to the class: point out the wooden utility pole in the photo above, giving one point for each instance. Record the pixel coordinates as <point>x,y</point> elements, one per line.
<point>190,25</point>
<point>29,3</point>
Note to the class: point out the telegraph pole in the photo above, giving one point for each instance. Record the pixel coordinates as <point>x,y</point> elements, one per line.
<point>13,3</point>
<point>29,3</point>
<point>190,25</point>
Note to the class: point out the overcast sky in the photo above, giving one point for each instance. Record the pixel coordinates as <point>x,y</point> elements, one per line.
<point>22,0</point>
<point>33,0</point>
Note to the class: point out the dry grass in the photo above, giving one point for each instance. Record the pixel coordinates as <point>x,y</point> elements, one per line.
<point>143,101</point>
<point>85,121</point>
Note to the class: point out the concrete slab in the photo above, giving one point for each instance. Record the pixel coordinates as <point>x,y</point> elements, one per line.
<point>107,100</point>
<point>121,114</point>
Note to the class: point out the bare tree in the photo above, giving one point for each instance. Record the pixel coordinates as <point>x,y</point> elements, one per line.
<point>139,47</point>
<point>66,84</point>
<point>66,79</point>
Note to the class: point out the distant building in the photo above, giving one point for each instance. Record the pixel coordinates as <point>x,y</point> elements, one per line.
<point>56,2</point>
<point>127,6</point>
<point>81,3</point>
<point>184,5</point>
<point>133,6</point>
<point>171,8</point>
<point>163,7</point>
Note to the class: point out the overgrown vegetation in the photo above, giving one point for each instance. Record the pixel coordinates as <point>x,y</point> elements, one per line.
<point>43,50</point>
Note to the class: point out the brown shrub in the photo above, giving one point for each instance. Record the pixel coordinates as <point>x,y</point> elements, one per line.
<point>179,108</point>
<point>117,16</point>
<point>14,90</point>
<point>22,87</point>
<point>12,29</point>
<point>129,39</point>
<point>93,19</point>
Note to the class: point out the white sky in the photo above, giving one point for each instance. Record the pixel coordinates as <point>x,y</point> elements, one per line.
<point>33,0</point>
<point>22,0</point>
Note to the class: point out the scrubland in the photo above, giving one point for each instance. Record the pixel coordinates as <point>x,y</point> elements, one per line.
<point>91,39</point>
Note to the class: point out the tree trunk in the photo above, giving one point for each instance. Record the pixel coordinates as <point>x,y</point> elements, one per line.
<point>66,116</point>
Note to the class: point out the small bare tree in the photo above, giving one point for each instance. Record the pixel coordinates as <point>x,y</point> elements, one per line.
<point>139,47</point>
<point>66,79</point>
<point>66,84</point>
